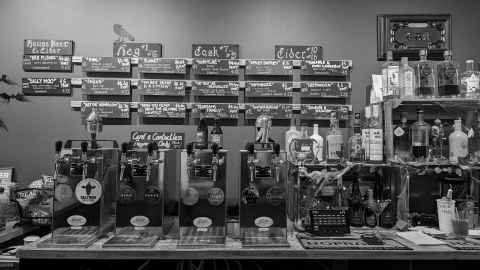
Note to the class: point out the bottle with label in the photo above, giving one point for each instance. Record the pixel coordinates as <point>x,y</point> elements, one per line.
<point>470,80</point>
<point>406,79</point>
<point>217,134</point>
<point>318,144</point>
<point>387,217</point>
<point>376,134</point>
<point>474,141</point>
<point>370,217</point>
<point>201,136</point>
<point>425,80</point>
<point>355,204</point>
<point>437,142</point>
<point>302,148</point>
<point>355,148</point>
<point>334,141</point>
<point>420,137</point>
<point>458,142</point>
<point>366,133</point>
<point>291,134</point>
<point>447,76</point>
<point>390,70</point>
<point>402,138</point>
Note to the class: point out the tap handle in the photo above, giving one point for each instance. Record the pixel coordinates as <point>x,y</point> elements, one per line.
<point>151,147</point>
<point>190,149</point>
<point>250,147</point>
<point>276,149</point>
<point>58,147</point>
<point>125,147</point>
<point>84,147</point>
<point>215,148</point>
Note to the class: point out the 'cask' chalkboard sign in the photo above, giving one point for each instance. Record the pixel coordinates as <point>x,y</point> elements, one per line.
<point>220,67</point>
<point>48,47</point>
<point>135,49</point>
<point>268,89</point>
<point>105,109</point>
<point>269,67</point>
<point>326,89</point>
<point>292,52</point>
<point>218,110</point>
<point>111,87</point>
<point>164,140</point>
<point>47,86</point>
<point>54,63</point>
<point>276,111</point>
<point>322,112</point>
<point>162,65</point>
<point>215,51</point>
<point>215,88</point>
<point>161,110</point>
<point>329,68</point>
<point>161,87</point>
<point>106,64</point>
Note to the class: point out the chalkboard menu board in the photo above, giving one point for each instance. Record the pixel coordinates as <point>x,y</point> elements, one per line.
<point>215,51</point>
<point>162,87</point>
<point>326,89</point>
<point>136,49</point>
<point>112,87</point>
<point>215,88</point>
<point>162,65</point>
<point>164,140</point>
<point>340,68</point>
<point>216,67</point>
<point>269,67</point>
<point>319,111</point>
<point>54,63</point>
<point>48,47</point>
<point>289,52</point>
<point>105,109</point>
<point>276,111</point>
<point>106,64</point>
<point>46,86</point>
<point>161,110</point>
<point>268,89</point>
<point>219,110</point>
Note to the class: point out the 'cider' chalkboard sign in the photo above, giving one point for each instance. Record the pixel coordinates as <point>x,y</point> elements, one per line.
<point>215,88</point>
<point>54,63</point>
<point>164,140</point>
<point>322,112</point>
<point>111,87</point>
<point>161,87</point>
<point>216,67</point>
<point>48,47</point>
<point>329,68</point>
<point>276,111</point>
<point>326,89</point>
<point>218,110</point>
<point>289,52</point>
<point>106,64</point>
<point>105,109</point>
<point>135,49</point>
<point>161,110</point>
<point>162,65</point>
<point>268,89</point>
<point>46,86</point>
<point>215,51</point>
<point>269,67</point>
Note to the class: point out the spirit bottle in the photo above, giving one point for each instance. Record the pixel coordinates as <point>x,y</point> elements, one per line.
<point>334,141</point>
<point>390,77</point>
<point>448,76</point>
<point>402,140</point>
<point>406,79</point>
<point>474,141</point>
<point>356,211</point>
<point>366,133</point>
<point>318,144</point>
<point>376,135</point>
<point>425,76</point>
<point>470,80</point>
<point>437,140</point>
<point>201,136</point>
<point>291,134</point>
<point>458,142</point>
<point>217,134</point>
<point>355,148</point>
<point>387,217</point>
<point>302,148</point>
<point>420,137</point>
<point>370,217</point>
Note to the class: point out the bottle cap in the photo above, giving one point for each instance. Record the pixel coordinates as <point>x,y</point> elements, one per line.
<point>437,121</point>
<point>469,61</point>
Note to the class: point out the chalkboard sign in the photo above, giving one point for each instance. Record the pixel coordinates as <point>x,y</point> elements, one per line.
<point>219,110</point>
<point>268,89</point>
<point>48,47</point>
<point>276,111</point>
<point>111,87</point>
<point>105,109</point>
<point>55,63</point>
<point>322,112</point>
<point>6,176</point>
<point>46,86</point>
<point>162,87</point>
<point>215,51</point>
<point>269,67</point>
<point>106,64</point>
<point>326,89</point>
<point>289,52</point>
<point>162,65</point>
<point>164,140</point>
<point>215,88</point>
<point>161,110</point>
<point>216,67</point>
<point>334,68</point>
<point>135,49</point>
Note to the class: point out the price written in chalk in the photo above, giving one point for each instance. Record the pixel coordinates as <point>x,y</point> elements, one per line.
<point>105,109</point>
<point>162,110</point>
<point>215,51</point>
<point>162,65</point>
<point>162,87</point>
<point>46,86</point>
<point>106,87</point>
<point>47,63</point>
<point>277,111</point>
<point>106,64</point>
<point>289,52</point>
<point>134,49</point>
<point>219,110</point>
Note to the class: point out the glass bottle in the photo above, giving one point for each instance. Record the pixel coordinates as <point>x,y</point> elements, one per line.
<point>402,139</point>
<point>201,136</point>
<point>318,144</point>
<point>425,76</point>
<point>447,76</point>
<point>420,137</point>
<point>474,141</point>
<point>406,79</point>
<point>366,133</point>
<point>470,80</point>
<point>291,134</point>
<point>302,148</point>
<point>376,134</point>
<point>370,217</point>
<point>334,141</point>
<point>356,209</point>
<point>217,134</point>
<point>458,142</point>
<point>387,217</point>
<point>437,144</point>
<point>390,77</point>
<point>355,149</point>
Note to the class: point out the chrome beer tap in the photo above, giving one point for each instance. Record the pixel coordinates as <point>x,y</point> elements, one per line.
<point>94,126</point>
<point>58,149</point>
<point>84,148</point>
<point>277,162</point>
<point>191,160</point>
<point>216,161</point>
<point>123,160</point>
<point>251,161</point>
<point>151,149</point>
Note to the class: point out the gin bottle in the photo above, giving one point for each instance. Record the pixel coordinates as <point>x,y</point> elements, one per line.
<point>474,141</point>
<point>302,147</point>
<point>406,79</point>
<point>366,133</point>
<point>447,76</point>
<point>470,80</point>
<point>420,137</point>
<point>334,141</point>
<point>458,142</point>
<point>425,76</point>
<point>291,134</point>
<point>355,149</point>
<point>370,217</point>
<point>437,139</point>
<point>376,134</point>
<point>402,140</point>
<point>390,70</point>
<point>318,144</point>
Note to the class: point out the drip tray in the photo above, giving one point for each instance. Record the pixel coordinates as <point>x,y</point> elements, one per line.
<point>252,237</point>
<point>347,244</point>
<point>461,244</point>
<point>68,237</point>
<point>128,241</point>
<point>193,237</point>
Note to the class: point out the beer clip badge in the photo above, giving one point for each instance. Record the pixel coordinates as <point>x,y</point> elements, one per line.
<point>88,191</point>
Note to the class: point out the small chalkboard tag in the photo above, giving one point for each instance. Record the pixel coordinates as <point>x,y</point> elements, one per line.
<point>215,51</point>
<point>6,176</point>
<point>47,86</point>
<point>268,89</point>
<point>161,87</point>
<point>326,89</point>
<point>106,109</point>
<point>162,65</point>
<point>269,67</point>
<point>106,64</point>
<point>330,68</point>
<point>136,49</point>
<point>294,52</point>
<point>161,110</point>
<point>55,63</point>
<point>48,47</point>
<point>276,111</point>
<point>323,112</point>
<point>216,67</point>
<point>164,140</point>
<point>215,88</point>
<point>218,110</point>
<point>111,87</point>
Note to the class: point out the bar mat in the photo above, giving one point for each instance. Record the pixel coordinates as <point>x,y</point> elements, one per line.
<point>461,244</point>
<point>252,237</point>
<point>131,241</point>
<point>348,244</point>
<point>194,237</point>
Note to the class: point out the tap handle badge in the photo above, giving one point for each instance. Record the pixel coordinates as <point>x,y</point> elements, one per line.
<point>264,127</point>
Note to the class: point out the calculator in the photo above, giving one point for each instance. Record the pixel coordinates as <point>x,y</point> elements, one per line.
<point>329,222</point>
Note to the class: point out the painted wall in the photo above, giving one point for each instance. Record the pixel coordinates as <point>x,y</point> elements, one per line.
<point>345,28</point>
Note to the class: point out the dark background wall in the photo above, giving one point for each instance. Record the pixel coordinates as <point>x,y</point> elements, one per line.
<point>345,28</point>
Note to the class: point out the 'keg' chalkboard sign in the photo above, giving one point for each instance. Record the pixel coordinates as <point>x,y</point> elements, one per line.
<point>135,49</point>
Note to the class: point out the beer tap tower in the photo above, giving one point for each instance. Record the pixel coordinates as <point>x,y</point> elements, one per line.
<point>263,216</point>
